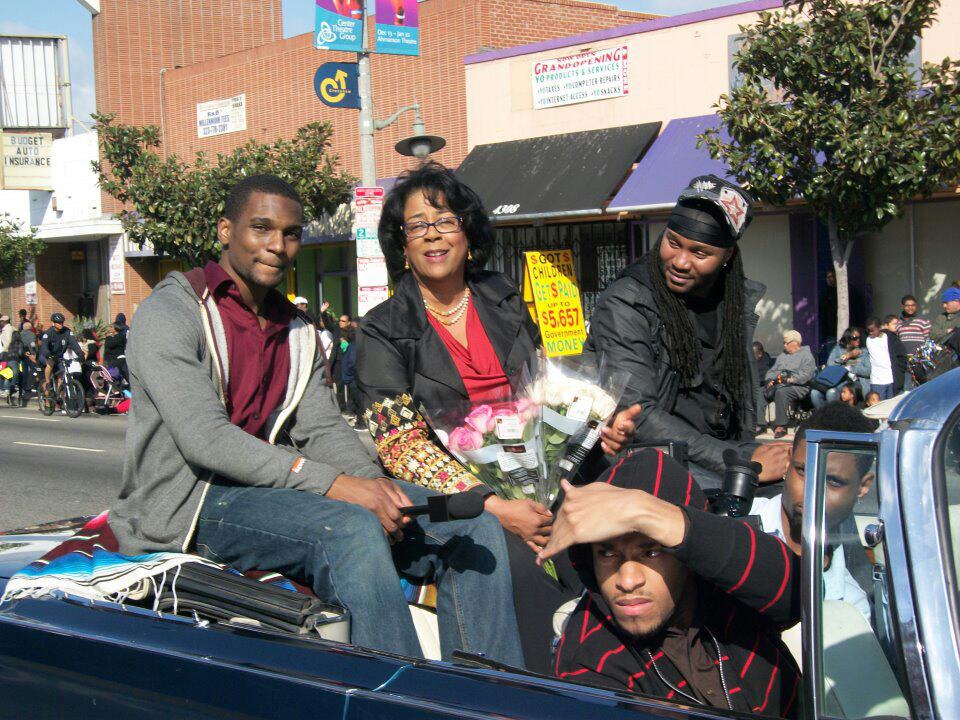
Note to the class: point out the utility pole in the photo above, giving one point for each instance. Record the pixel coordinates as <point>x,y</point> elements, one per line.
<point>368,152</point>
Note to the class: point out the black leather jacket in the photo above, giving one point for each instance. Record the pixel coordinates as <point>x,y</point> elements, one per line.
<point>398,351</point>
<point>626,326</point>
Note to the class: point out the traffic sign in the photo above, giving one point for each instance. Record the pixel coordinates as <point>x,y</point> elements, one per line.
<point>337,85</point>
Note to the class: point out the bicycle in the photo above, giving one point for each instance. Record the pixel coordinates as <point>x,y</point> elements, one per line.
<point>64,390</point>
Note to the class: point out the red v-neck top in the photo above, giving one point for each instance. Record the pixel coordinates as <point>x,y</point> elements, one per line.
<point>259,357</point>
<point>478,364</point>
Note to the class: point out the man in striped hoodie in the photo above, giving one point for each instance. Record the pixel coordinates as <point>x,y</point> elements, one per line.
<point>680,604</point>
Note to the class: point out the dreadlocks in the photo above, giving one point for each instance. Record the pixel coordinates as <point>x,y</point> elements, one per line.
<point>682,343</point>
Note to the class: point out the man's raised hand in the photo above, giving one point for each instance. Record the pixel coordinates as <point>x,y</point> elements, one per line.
<point>598,512</point>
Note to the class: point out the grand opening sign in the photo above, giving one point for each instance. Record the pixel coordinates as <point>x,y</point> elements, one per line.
<point>588,76</point>
<point>550,281</point>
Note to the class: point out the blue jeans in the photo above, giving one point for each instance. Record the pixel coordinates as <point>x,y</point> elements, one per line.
<point>884,391</point>
<point>820,398</point>
<point>342,552</point>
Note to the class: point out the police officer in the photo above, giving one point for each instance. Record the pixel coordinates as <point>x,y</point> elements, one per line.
<point>681,321</point>
<point>54,342</point>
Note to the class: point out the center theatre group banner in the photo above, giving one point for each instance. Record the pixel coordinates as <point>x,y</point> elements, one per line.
<point>339,26</point>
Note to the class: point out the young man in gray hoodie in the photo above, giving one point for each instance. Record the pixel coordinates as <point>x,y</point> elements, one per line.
<point>236,449</point>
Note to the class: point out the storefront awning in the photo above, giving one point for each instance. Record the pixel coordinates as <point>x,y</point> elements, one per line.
<point>669,166</point>
<point>556,175</point>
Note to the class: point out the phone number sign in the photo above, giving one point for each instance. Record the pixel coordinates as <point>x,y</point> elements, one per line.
<point>550,281</point>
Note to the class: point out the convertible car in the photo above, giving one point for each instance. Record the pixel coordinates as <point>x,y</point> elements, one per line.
<point>63,656</point>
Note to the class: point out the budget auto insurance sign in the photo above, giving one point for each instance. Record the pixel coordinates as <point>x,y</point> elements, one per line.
<point>587,76</point>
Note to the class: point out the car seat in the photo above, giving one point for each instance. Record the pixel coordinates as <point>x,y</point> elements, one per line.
<point>858,681</point>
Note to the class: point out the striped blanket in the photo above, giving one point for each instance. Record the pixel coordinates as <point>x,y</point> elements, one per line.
<point>89,565</point>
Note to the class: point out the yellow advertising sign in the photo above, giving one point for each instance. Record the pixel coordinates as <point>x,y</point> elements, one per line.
<point>549,277</point>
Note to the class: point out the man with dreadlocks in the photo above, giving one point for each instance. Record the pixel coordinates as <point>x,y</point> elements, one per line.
<point>681,321</point>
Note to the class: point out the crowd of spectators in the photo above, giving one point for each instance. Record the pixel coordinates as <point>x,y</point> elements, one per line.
<point>867,365</point>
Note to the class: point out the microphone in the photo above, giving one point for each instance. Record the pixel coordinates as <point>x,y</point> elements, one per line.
<point>441,508</point>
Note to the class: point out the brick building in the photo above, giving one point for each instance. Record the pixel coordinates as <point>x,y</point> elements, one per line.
<point>156,60</point>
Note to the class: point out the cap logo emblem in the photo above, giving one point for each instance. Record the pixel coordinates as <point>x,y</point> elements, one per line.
<point>734,207</point>
<point>702,185</point>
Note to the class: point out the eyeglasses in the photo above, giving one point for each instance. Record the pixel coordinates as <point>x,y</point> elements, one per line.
<point>447,224</point>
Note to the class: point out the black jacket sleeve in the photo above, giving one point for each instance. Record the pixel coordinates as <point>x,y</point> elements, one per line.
<point>755,568</point>
<point>898,361</point>
<point>621,330</point>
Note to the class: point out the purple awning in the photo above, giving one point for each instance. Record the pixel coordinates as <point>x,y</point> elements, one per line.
<point>668,166</point>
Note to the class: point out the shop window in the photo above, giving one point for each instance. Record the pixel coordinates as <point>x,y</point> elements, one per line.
<point>600,252</point>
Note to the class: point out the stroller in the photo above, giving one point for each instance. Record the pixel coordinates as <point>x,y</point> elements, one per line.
<point>109,389</point>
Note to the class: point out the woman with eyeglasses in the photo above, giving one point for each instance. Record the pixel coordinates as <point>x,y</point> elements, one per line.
<point>849,353</point>
<point>452,332</point>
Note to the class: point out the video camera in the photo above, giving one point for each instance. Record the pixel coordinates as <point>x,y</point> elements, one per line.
<point>741,478</point>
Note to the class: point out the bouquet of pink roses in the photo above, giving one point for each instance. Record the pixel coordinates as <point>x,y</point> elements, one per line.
<point>576,396</point>
<point>496,442</point>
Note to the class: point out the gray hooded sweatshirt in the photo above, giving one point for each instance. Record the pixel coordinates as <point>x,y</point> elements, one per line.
<point>179,434</point>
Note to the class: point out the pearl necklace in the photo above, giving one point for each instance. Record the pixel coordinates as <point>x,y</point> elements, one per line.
<point>456,313</point>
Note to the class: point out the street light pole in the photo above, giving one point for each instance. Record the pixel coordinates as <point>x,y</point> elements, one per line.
<point>368,152</point>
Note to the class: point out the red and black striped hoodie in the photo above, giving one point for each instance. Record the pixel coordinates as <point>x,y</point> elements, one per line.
<point>747,592</point>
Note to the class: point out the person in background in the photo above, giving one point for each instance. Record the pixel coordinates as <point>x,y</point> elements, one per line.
<point>947,321</point>
<point>764,361</point>
<point>301,304</point>
<point>28,337</point>
<point>680,321</point>
<point>22,315</point>
<point>13,355</point>
<point>115,351</point>
<point>91,352</point>
<point>873,398</point>
<point>786,381</point>
<point>914,329</point>
<point>348,378</point>
<point>846,573</point>
<point>54,343</point>
<point>850,354</point>
<point>451,334</point>
<point>6,338</point>
<point>850,393</point>
<point>121,320</point>
<point>888,360</point>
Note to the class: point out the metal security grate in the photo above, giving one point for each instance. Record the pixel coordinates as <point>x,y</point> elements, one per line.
<point>600,252</point>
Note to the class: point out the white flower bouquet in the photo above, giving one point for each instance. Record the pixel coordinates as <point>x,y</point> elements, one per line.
<point>576,397</point>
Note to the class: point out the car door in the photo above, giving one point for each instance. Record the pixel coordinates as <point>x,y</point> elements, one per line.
<point>856,647</point>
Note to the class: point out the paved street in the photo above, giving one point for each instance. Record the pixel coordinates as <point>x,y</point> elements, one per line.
<point>57,467</point>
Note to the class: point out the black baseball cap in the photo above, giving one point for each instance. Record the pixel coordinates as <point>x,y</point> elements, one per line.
<point>712,210</point>
<point>56,318</point>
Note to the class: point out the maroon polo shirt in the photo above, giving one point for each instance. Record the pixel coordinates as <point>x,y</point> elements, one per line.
<point>259,358</point>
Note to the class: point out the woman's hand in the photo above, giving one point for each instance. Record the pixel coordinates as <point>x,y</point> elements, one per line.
<point>528,520</point>
<point>619,431</point>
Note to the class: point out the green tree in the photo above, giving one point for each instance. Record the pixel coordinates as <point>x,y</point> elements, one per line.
<point>175,205</point>
<point>19,247</point>
<point>856,130</point>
